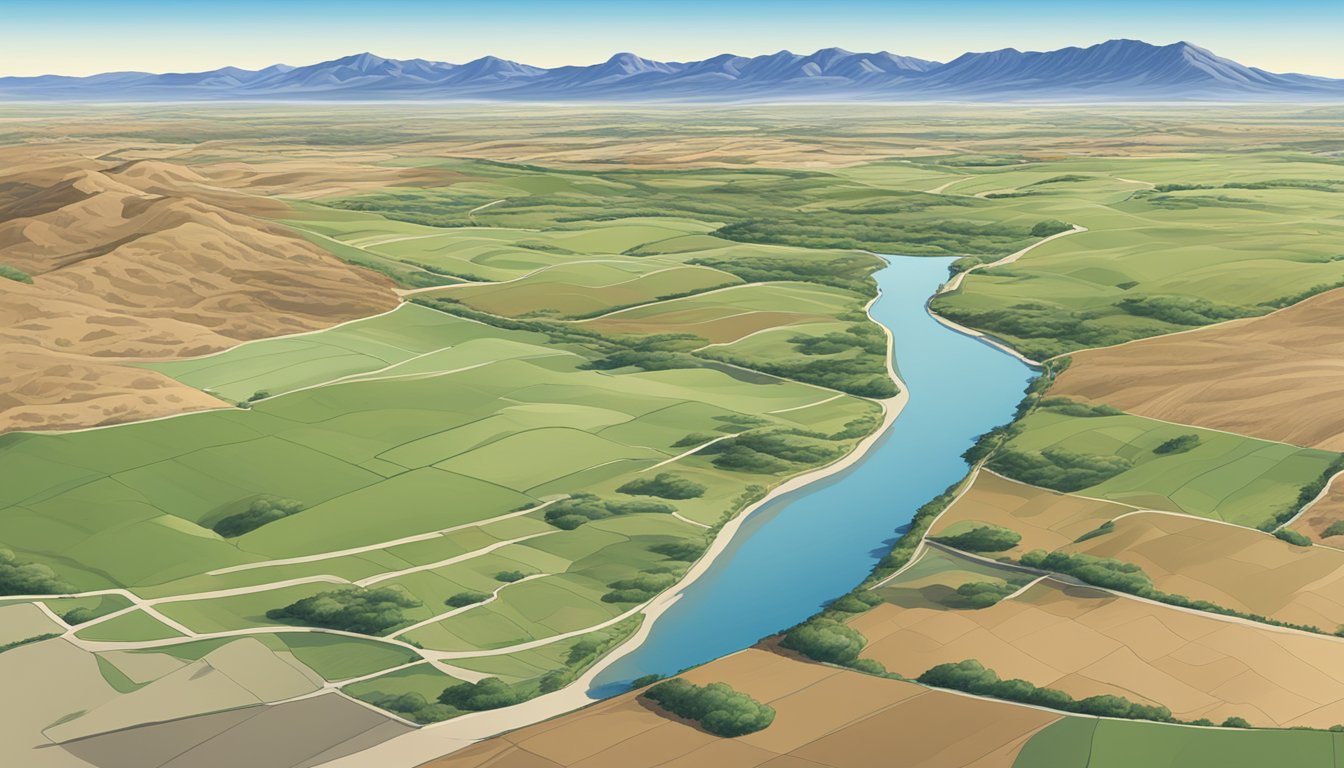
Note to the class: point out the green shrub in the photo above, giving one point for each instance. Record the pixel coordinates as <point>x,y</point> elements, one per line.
<point>717,707</point>
<point>15,274</point>
<point>1100,530</point>
<point>489,693</point>
<point>1068,407</point>
<point>1236,722</point>
<point>822,639</point>
<point>1098,571</point>
<point>11,645</point>
<point>973,677</point>
<point>367,611</point>
<point>22,578</point>
<point>1049,226</point>
<point>1178,444</point>
<point>1057,468</point>
<point>664,485</point>
<point>639,589</point>
<point>258,513</point>
<point>1292,537</point>
<point>78,615</point>
<point>975,595</point>
<point>581,508</point>
<point>1334,529</point>
<point>684,550</point>
<point>769,452</point>
<point>508,577</point>
<point>1182,310</point>
<point>857,601</point>
<point>983,538</point>
<point>412,706</point>
<point>463,599</point>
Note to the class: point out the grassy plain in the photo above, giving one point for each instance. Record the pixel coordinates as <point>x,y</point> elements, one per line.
<point>1120,457</point>
<point>607,291</point>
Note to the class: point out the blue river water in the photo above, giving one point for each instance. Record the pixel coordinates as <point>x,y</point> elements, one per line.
<point>808,547</point>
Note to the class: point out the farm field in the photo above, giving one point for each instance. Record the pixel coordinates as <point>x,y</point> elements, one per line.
<point>1131,460</point>
<point>1245,570</point>
<point>1087,642</point>
<point>1248,376</point>
<point>477,386</point>
<point>1045,519</point>
<point>1176,247</point>
<point>824,716</point>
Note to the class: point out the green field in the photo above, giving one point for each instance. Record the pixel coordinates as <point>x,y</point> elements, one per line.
<point>1118,457</point>
<point>1258,231</point>
<point>1076,742</point>
<point>417,451</point>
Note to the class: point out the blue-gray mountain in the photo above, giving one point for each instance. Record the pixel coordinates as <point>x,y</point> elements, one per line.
<point>1114,70</point>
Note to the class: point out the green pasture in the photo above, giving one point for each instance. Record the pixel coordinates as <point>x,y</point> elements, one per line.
<point>1225,476</point>
<point>1075,742</point>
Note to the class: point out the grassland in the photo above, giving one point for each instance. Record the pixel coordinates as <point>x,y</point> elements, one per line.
<point>1120,457</point>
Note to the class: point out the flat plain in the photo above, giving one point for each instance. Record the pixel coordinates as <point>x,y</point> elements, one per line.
<point>316,416</point>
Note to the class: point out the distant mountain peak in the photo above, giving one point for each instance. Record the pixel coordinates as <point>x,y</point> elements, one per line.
<point>1120,68</point>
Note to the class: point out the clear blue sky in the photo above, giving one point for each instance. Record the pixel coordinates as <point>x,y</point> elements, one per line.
<point>84,36</point>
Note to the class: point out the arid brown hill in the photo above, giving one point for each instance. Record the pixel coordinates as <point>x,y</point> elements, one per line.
<point>144,260</point>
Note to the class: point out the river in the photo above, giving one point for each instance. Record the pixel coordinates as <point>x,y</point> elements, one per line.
<point>813,545</point>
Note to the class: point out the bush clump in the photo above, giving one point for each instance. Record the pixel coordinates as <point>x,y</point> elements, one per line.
<point>663,485</point>
<point>638,589</point>
<point>982,538</point>
<point>585,507</point>
<point>1058,468</point>
<point>78,615</point>
<point>717,707</point>
<point>367,611</point>
<point>21,578</point>
<point>1178,444</point>
<point>508,577</point>
<point>412,706</point>
<point>1182,310</point>
<point>975,595</point>
<point>1068,407</point>
<point>768,452</point>
<point>15,274</point>
<point>1098,571</point>
<point>258,513</point>
<point>683,550</point>
<point>822,639</point>
<point>971,676</point>
<point>463,599</point>
<point>1334,529</point>
<point>1292,537</point>
<point>489,693</point>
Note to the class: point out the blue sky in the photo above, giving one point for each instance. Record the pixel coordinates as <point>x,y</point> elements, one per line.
<point>83,36</point>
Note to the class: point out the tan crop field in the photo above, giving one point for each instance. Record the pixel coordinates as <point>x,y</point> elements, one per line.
<point>1235,567</point>
<point>824,717</point>
<point>1086,642</point>
<point>1045,519</point>
<point>1254,377</point>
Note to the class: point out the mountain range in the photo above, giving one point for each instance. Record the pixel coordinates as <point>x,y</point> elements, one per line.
<point>1114,70</point>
